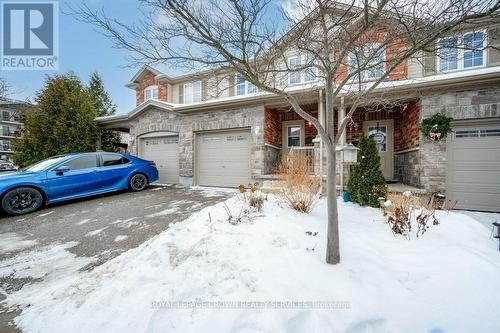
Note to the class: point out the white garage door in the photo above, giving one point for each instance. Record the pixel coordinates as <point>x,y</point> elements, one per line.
<point>473,173</point>
<point>164,151</point>
<point>223,158</point>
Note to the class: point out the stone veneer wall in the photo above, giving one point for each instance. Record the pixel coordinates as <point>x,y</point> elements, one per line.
<point>460,105</point>
<point>272,158</point>
<point>186,125</point>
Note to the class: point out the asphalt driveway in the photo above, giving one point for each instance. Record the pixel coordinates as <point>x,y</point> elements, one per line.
<point>68,238</point>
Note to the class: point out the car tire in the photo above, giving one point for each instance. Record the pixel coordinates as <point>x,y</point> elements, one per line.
<point>138,182</point>
<point>22,200</point>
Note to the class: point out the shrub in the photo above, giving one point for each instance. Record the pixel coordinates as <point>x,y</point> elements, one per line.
<point>253,197</point>
<point>366,182</point>
<point>399,211</point>
<point>299,189</point>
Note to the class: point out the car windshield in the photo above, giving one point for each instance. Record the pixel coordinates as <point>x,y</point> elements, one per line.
<point>42,165</point>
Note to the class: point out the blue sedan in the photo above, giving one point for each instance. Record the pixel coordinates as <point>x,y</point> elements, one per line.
<point>73,176</point>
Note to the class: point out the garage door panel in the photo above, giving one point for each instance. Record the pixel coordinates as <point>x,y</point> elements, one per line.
<point>223,158</point>
<point>164,151</point>
<point>476,176</point>
<point>473,171</point>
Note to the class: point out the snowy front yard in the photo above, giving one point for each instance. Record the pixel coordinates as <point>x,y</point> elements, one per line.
<point>445,281</point>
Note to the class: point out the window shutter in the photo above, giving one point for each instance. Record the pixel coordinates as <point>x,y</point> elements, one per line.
<point>429,63</point>
<point>494,46</point>
<point>181,94</point>
<point>231,85</point>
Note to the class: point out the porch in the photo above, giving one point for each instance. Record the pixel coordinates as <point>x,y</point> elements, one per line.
<point>394,128</point>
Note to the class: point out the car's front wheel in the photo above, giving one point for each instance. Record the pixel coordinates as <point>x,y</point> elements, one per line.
<point>22,200</point>
<point>138,182</point>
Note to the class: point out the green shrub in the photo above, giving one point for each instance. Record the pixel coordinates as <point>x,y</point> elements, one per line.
<point>366,180</point>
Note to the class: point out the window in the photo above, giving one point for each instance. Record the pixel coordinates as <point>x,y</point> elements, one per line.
<point>303,76</point>
<point>151,92</point>
<point>293,135</point>
<point>192,92</point>
<point>82,162</point>
<point>448,54</point>
<point>5,115</point>
<point>113,159</point>
<point>379,135</point>
<point>477,133</point>
<point>473,53</point>
<point>243,87</point>
<point>5,131</point>
<point>455,53</point>
<point>371,57</point>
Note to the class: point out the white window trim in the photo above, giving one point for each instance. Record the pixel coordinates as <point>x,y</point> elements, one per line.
<point>302,73</point>
<point>245,83</point>
<point>193,96</point>
<point>362,74</point>
<point>289,136</point>
<point>461,52</point>
<point>151,89</point>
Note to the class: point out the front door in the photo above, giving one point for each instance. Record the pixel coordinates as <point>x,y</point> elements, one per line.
<point>381,131</point>
<point>293,134</point>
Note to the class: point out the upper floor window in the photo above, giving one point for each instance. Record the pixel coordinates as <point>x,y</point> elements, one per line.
<point>243,87</point>
<point>5,115</point>
<point>308,74</point>
<point>151,92</point>
<point>192,92</point>
<point>455,53</point>
<point>371,61</point>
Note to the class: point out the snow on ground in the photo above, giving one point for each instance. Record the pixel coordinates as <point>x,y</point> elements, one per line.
<point>484,218</point>
<point>120,238</point>
<point>52,263</point>
<point>11,241</point>
<point>444,281</point>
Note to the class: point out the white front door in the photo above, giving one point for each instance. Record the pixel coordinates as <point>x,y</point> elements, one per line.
<point>381,131</point>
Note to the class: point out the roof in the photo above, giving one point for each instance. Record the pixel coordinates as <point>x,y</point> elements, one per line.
<point>10,101</point>
<point>486,73</point>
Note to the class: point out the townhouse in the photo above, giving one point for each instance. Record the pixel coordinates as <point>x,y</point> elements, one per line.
<point>216,129</point>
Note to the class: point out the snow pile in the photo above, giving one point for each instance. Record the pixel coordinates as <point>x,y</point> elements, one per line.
<point>444,281</point>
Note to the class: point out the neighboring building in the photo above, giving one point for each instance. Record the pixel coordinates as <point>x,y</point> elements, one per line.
<point>213,130</point>
<point>11,115</point>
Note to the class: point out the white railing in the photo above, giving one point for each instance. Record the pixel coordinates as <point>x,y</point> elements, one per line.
<point>307,152</point>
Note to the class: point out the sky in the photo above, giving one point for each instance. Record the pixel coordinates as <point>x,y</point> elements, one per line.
<point>83,51</point>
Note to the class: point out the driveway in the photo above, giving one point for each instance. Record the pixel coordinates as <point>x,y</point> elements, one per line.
<point>67,238</point>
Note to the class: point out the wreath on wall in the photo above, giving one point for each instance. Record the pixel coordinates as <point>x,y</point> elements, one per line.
<point>436,127</point>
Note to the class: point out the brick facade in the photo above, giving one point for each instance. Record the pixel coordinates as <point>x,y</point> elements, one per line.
<point>272,129</point>
<point>148,79</point>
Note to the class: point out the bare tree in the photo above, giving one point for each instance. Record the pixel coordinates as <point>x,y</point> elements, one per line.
<point>340,47</point>
<point>4,88</point>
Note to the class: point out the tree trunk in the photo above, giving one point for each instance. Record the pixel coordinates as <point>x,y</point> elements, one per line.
<point>332,245</point>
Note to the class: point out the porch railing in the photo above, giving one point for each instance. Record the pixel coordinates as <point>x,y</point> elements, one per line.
<point>307,152</point>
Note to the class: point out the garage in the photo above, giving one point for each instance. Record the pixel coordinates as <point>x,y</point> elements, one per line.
<point>223,158</point>
<point>473,166</point>
<point>164,151</point>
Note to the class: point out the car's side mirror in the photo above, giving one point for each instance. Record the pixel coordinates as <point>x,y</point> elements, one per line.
<point>61,170</point>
